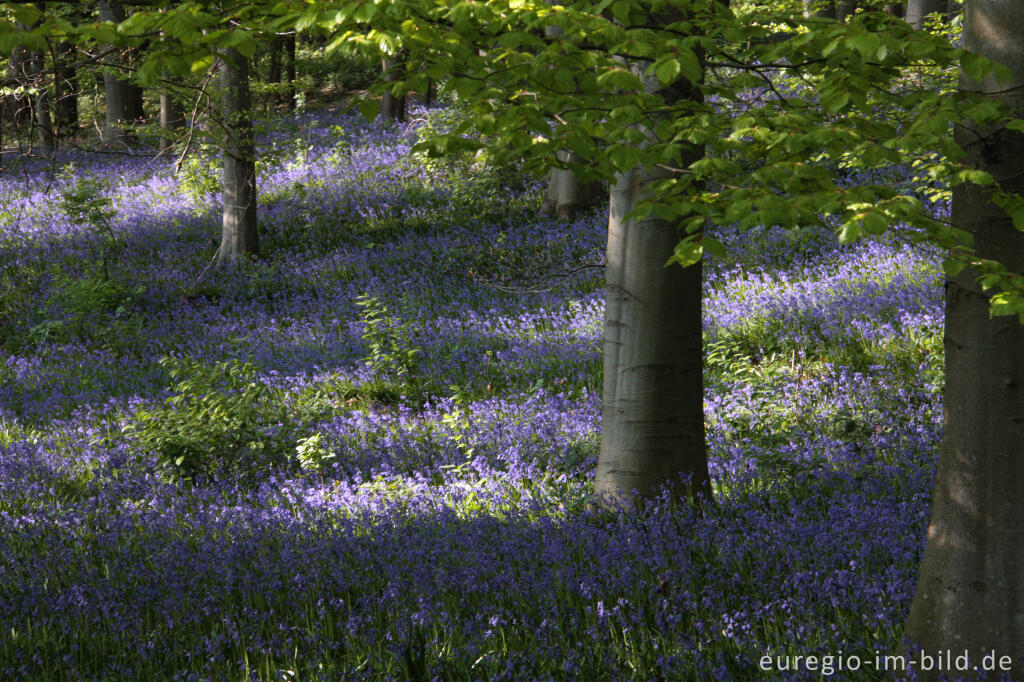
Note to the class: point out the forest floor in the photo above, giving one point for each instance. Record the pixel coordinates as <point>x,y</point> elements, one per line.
<point>388,428</point>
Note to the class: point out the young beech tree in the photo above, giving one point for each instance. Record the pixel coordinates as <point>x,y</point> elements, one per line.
<point>239,235</point>
<point>970,595</point>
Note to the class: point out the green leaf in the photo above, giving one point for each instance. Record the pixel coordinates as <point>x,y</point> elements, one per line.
<point>369,108</point>
<point>667,70</point>
<point>714,247</point>
<point>1016,124</point>
<point>620,79</point>
<point>953,266</point>
<point>866,43</point>
<point>850,231</point>
<point>27,14</point>
<point>833,101</point>
<point>975,66</point>
<point>686,253</point>
<point>1006,303</point>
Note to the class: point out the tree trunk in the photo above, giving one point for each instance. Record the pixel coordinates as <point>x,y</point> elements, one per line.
<point>35,77</point>
<point>816,8</point>
<point>652,415</point>
<point>116,94</point>
<point>391,105</point>
<point>894,8</point>
<point>171,119</point>
<point>19,106</point>
<point>289,63</point>
<point>845,9</point>
<point>970,594</point>
<point>65,91</point>
<point>42,120</point>
<point>239,236</point>
<point>917,10</point>
<point>567,194</point>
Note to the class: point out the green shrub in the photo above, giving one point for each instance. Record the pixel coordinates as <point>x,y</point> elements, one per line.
<point>390,353</point>
<point>220,421</point>
<point>200,176</point>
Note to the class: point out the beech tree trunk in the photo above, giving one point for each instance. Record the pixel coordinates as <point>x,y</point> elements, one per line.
<point>917,10</point>
<point>392,106</point>
<point>845,8</point>
<point>171,120</point>
<point>970,594</point>
<point>42,123</point>
<point>239,236</point>
<point>289,70</point>
<point>818,8</point>
<point>894,8</point>
<point>566,193</point>
<point>116,91</point>
<point>19,106</point>
<point>652,414</point>
<point>65,91</point>
<point>34,71</point>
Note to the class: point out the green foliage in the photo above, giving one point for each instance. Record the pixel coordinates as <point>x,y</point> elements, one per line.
<point>390,352</point>
<point>90,305</point>
<point>220,420</point>
<point>85,202</point>
<point>312,453</point>
<point>199,177</point>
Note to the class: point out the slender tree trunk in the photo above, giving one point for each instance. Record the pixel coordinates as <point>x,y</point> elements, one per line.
<point>35,77</point>
<point>917,10</point>
<point>171,119</point>
<point>566,193</point>
<point>19,105</point>
<point>970,594</point>
<point>652,415</point>
<point>845,9</point>
<point>817,8</point>
<point>391,105</point>
<point>289,95</point>
<point>116,94</point>
<point>43,121</point>
<point>65,91</point>
<point>894,8</point>
<point>239,236</point>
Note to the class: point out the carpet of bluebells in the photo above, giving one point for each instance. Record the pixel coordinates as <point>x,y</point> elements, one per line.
<point>422,350</point>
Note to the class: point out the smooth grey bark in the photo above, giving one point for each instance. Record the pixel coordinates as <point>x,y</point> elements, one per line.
<point>172,118</point>
<point>567,194</point>
<point>392,106</point>
<point>917,10</point>
<point>285,45</point>
<point>894,8</point>
<point>970,593</point>
<point>652,414</point>
<point>239,236</point>
<point>42,123</point>
<point>116,92</point>
<point>818,8</point>
<point>65,90</point>
<point>19,106</point>
<point>35,77</point>
<point>845,8</point>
